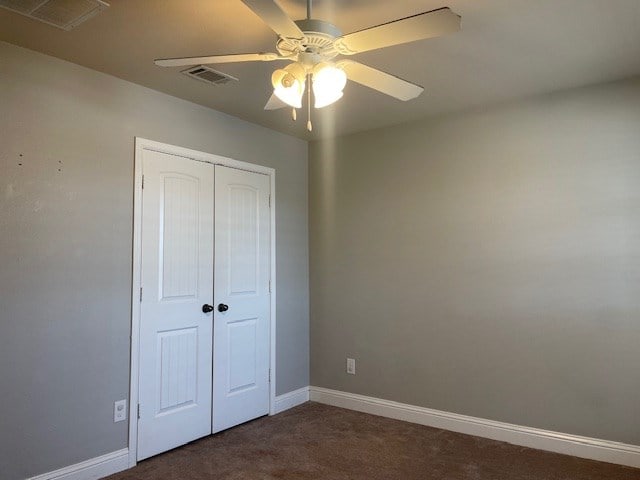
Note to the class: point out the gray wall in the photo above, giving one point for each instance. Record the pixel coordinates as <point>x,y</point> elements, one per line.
<point>66,208</point>
<point>486,263</point>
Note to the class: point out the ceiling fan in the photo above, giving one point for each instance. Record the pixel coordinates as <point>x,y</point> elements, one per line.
<point>311,47</point>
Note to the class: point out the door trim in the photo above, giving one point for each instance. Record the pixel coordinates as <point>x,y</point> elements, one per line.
<point>142,144</point>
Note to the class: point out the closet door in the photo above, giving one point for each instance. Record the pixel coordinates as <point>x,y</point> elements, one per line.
<point>241,324</point>
<point>175,381</point>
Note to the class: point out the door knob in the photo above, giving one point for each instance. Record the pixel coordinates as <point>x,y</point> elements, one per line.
<point>223,308</point>
<point>206,308</point>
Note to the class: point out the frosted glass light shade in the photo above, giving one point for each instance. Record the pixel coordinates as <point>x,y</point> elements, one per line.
<point>328,83</point>
<point>288,84</point>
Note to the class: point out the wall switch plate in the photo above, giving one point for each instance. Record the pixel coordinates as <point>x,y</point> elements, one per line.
<point>120,411</point>
<point>351,366</point>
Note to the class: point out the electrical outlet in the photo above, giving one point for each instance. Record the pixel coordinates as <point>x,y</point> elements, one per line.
<point>351,366</point>
<point>120,411</point>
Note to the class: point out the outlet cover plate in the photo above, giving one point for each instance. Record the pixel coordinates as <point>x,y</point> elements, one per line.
<point>351,366</point>
<point>120,411</point>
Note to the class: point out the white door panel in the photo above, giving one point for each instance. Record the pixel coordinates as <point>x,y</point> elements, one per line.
<point>201,372</point>
<point>241,334</point>
<point>177,278</point>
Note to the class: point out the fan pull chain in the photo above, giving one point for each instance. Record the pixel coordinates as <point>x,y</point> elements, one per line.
<point>309,125</point>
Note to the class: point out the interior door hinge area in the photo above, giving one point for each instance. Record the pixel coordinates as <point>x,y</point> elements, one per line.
<point>143,181</point>
<point>269,375</point>
<point>138,411</point>
<point>269,200</point>
<point>140,294</point>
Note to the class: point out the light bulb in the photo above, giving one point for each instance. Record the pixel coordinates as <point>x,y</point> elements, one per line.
<point>328,83</point>
<point>288,84</point>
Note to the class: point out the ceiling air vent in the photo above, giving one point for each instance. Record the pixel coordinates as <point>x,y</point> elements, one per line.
<point>209,75</point>
<point>65,14</point>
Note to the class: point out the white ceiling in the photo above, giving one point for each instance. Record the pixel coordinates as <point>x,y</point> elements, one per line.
<point>507,49</point>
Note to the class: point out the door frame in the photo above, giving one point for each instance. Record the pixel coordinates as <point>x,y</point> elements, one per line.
<point>142,144</point>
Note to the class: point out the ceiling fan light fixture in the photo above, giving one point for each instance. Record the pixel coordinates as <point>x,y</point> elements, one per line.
<point>313,46</point>
<point>328,83</point>
<point>288,84</point>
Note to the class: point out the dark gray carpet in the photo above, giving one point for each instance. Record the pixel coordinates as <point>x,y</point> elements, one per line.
<point>316,441</point>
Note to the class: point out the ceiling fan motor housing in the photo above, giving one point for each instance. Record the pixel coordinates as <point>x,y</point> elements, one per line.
<point>319,27</point>
<point>316,46</point>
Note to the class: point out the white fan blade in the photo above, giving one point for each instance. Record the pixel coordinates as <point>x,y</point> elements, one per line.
<point>418,27</point>
<point>380,81</point>
<point>274,103</point>
<point>240,57</point>
<point>273,15</point>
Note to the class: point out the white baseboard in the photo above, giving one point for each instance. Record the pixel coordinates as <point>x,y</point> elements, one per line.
<point>583,447</point>
<point>291,399</point>
<point>91,469</point>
